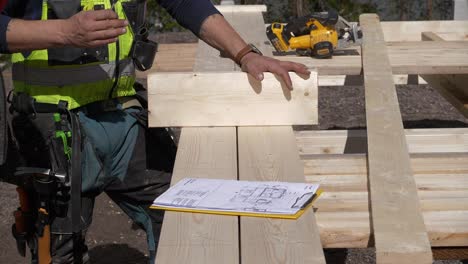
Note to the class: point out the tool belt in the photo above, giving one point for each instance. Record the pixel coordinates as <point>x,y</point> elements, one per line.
<point>3,123</point>
<point>49,141</point>
<point>143,49</point>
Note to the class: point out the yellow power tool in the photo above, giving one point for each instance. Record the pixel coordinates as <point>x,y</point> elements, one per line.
<point>316,35</point>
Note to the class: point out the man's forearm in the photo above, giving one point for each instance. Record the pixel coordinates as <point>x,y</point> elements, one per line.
<point>31,35</point>
<point>85,29</point>
<point>218,33</point>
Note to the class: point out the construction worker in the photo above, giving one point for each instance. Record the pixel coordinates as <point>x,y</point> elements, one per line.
<point>77,114</point>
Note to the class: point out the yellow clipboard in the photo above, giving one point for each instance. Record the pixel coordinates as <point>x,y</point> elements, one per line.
<point>251,214</point>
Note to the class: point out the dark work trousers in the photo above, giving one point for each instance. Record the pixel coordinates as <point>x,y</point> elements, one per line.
<point>123,158</point>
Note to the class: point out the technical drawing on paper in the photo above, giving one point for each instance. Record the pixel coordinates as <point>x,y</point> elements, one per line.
<point>258,196</point>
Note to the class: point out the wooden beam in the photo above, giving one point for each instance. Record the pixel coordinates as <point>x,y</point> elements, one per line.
<point>409,62</point>
<point>270,154</point>
<point>227,99</point>
<point>165,59</point>
<point>411,30</point>
<point>399,231</point>
<point>347,172</point>
<point>433,140</point>
<point>208,153</point>
<point>405,58</point>
<point>343,210</point>
<point>356,80</point>
<point>453,36</point>
<point>201,238</point>
<point>452,87</point>
<point>241,8</point>
<point>352,229</point>
<point>359,201</point>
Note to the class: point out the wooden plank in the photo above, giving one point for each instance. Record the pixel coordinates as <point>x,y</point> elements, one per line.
<point>165,62</point>
<point>338,65</point>
<point>399,231</point>
<point>353,230</point>
<point>453,36</point>
<point>241,8</point>
<point>345,80</point>
<point>359,201</point>
<point>270,154</point>
<point>411,30</point>
<point>209,153</point>
<point>428,58</point>
<point>199,238</point>
<point>227,99</point>
<point>443,140</point>
<point>452,87</point>
<point>413,57</point>
<point>433,172</point>
<point>407,60</point>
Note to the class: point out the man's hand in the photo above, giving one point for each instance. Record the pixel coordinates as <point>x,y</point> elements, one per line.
<point>85,29</point>
<point>93,28</point>
<point>256,65</point>
<point>217,32</point>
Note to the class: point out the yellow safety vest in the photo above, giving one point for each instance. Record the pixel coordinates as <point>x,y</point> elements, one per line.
<point>77,84</point>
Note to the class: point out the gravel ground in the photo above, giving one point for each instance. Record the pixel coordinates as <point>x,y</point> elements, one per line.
<point>113,239</point>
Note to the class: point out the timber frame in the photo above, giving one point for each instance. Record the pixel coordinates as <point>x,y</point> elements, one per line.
<point>402,191</point>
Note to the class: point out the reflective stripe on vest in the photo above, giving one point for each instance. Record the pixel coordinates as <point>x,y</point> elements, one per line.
<point>70,76</point>
<point>78,84</point>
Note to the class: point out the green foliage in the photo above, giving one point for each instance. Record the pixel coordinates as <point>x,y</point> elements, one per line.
<point>278,11</point>
<point>416,10</point>
<point>282,11</point>
<point>349,9</point>
<point>160,21</point>
<point>5,61</point>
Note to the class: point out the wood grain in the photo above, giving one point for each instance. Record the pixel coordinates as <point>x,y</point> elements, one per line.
<point>413,57</point>
<point>241,8</point>
<point>352,229</point>
<point>230,99</point>
<point>404,60</point>
<point>270,154</point>
<point>208,153</point>
<point>343,210</point>
<point>399,230</point>
<point>198,238</point>
<point>452,87</point>
<point>433,140</point>
<point>411,30</point>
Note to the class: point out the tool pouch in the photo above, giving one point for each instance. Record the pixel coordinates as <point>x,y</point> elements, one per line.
<point>3,123</point>
<point>143,50</point>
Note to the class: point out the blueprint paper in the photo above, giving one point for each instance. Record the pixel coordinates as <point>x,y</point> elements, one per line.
<point>238,196</point>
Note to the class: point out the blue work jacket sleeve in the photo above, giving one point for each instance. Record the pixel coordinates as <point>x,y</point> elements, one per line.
<point>4,20</point>
<point>189,13</point>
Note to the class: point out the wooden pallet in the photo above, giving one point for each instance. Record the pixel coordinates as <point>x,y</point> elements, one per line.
<point>364,204</point>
